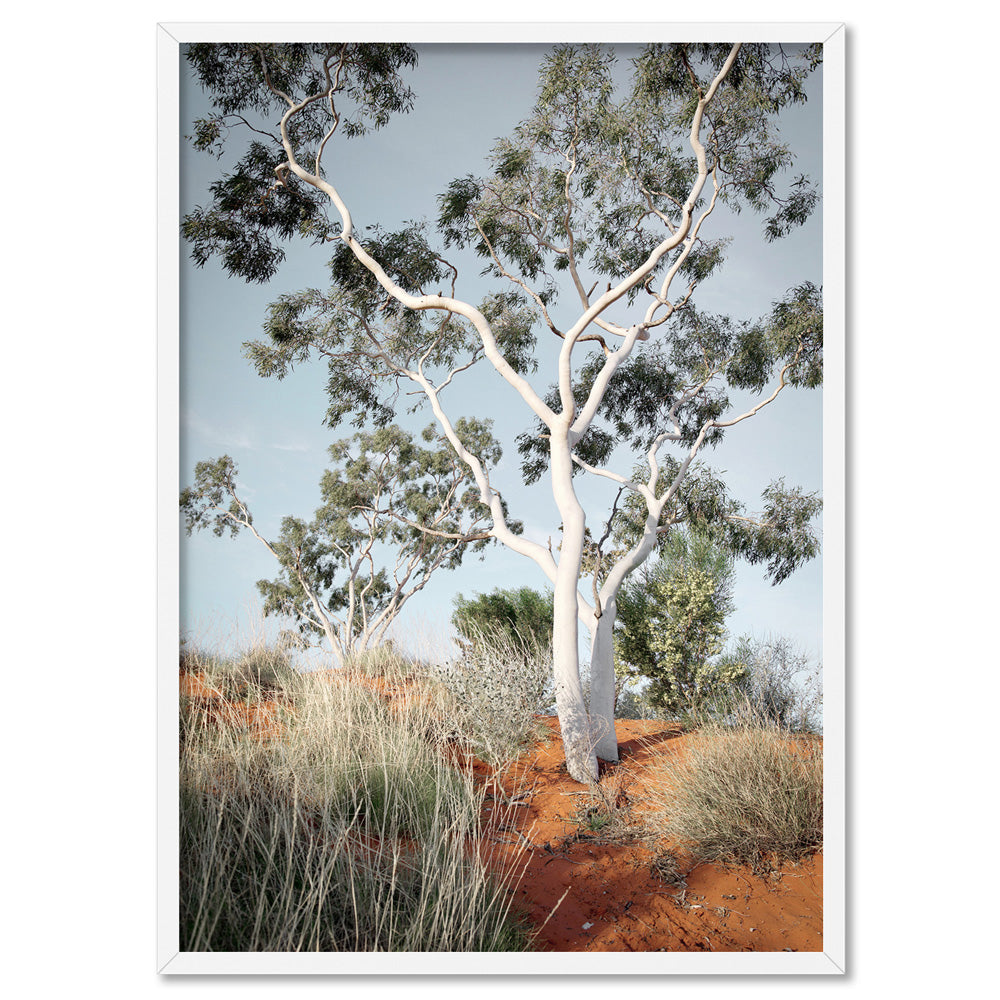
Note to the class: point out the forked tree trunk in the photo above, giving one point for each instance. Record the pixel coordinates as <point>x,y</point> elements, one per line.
<point>574,722</point>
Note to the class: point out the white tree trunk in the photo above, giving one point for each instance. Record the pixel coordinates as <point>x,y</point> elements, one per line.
<point>602,684</point>
<point>564,434</point>
<point>574,720</point>
<point>334,640</point>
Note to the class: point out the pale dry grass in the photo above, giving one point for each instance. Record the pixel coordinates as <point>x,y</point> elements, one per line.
<point>743,794</point>
<point>347,832</point>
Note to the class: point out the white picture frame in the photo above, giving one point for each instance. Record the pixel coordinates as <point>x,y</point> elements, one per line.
<point>833,959</point>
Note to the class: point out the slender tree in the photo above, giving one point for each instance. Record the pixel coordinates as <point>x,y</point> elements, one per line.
<point>592,191</point>
<point>393,513</point>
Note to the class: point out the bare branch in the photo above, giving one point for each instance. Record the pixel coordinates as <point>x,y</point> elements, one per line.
<point>457,536</point>
<point>607,474</point>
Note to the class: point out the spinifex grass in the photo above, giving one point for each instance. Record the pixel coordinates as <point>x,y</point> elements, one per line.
<point>346,832</point>
<point>744,794</point>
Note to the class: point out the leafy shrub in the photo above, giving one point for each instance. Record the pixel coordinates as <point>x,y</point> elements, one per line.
<point>512,618</point>
<point>671,624</point>
<point>496,689</point>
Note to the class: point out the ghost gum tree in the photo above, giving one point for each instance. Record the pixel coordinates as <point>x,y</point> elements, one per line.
<point>393,513</point>
<point>600,197</point>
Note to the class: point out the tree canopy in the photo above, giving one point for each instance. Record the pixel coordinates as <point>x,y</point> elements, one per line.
<point>251,211</point>
<point>592,220</point>
<point>393,512</point>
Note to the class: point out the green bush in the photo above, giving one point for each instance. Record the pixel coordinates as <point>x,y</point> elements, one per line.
<point>511,619</point>
<point>671,627</point>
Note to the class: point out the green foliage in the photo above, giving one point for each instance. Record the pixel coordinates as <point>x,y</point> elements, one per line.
<point>369,341</point>
<point>654,389</point>
<point>383,489</point>
<point>212,501</point>
<point>781,535</point>
<point>595,167</point>
<point>250,215</point>
<point>405,255</point>
<point>671,626</point>
<point>522,617</point>
<point>691,632</point>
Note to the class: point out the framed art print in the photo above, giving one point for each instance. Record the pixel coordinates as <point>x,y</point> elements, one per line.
<point>501,503</point>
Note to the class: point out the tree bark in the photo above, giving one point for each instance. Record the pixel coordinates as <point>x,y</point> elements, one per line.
<point>574,721</point>
<point>602,684</point>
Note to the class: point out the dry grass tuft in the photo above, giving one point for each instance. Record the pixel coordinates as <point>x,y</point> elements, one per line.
<point>745,795</point>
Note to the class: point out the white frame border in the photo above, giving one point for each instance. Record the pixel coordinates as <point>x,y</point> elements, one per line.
<point>832,960</point>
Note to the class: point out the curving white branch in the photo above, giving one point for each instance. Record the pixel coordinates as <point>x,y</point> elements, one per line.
<point>644,270</point>
<point>416,302</point>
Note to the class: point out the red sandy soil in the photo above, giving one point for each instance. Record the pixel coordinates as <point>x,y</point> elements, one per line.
<point>612,899</point>
<point>612,888</point>
<point>259,718</point>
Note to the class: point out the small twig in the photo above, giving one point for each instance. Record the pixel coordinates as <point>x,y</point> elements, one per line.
<point>553,910</point>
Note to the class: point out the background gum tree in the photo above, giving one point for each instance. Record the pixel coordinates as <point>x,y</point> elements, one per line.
<point>601,197</point>
<point>393,512</point>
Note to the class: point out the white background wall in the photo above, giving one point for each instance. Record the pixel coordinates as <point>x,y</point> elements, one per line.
<point>79,418</point>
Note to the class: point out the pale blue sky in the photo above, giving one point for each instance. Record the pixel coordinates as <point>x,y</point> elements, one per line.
<point>467,96</point>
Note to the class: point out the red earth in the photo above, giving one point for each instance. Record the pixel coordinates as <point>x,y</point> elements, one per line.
<point>588,873</point>
<point>612,890</point>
